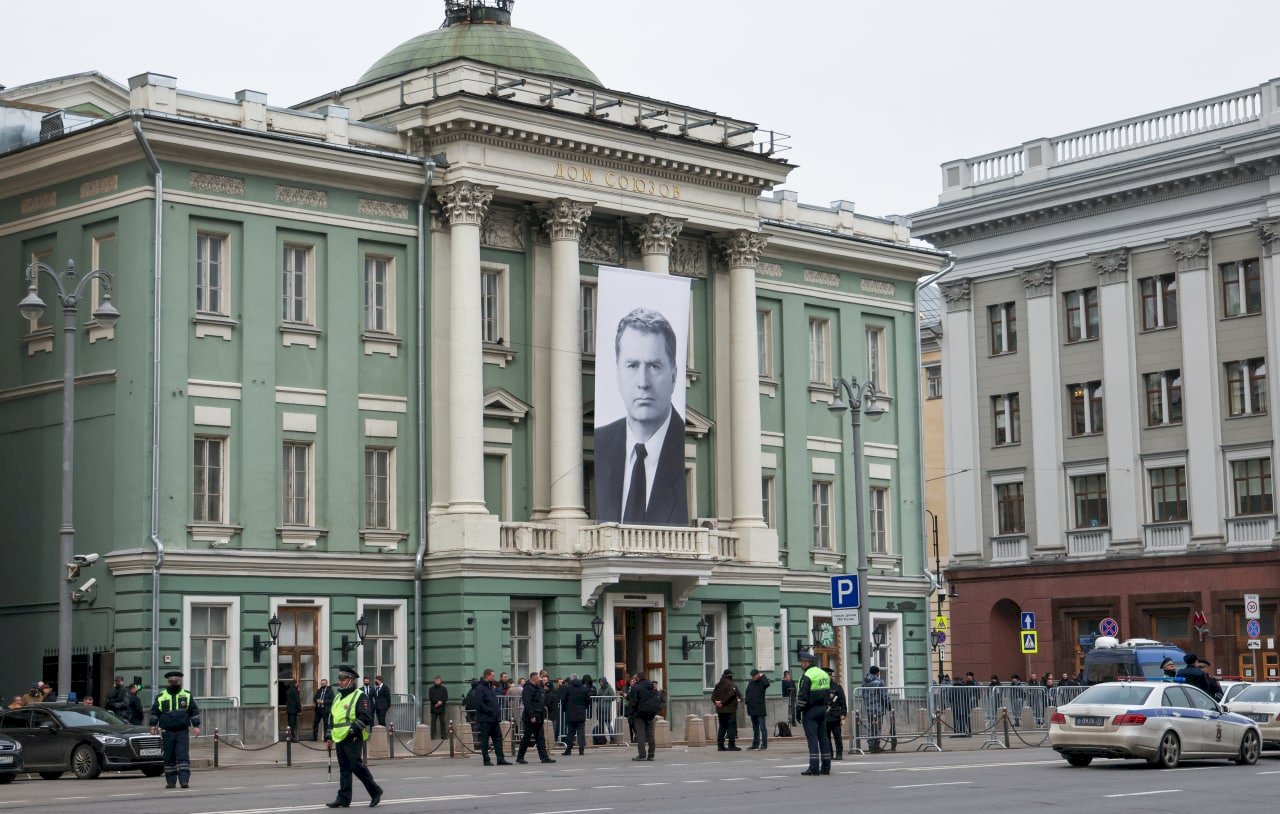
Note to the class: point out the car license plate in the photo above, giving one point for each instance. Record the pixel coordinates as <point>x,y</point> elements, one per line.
<point>6,760</point>
<point>1260,717</point>
<point>1089,720</point>
<point>151,752</point>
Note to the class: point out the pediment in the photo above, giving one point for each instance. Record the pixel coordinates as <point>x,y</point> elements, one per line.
<point>502,403</point>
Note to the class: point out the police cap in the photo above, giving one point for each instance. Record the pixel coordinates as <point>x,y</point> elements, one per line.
<point>348,671</point>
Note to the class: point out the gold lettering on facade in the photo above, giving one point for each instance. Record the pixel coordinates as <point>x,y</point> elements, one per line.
<point>615,180</point>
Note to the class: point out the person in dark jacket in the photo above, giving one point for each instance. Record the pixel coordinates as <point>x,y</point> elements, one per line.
<point>755,699</point>
<point>488,714</point>
<point>292,709</point>
<point>837,711</point>
<point>533,714</point>
<point>117,701</point>
<point>555,690</point>
<point>644,702</point>
<point>347,729</point>
<point>812,696</point>
<point>135,715</point>
<point>789,693</point>
<point>175,714</point>
<point>381,700</point>
<point>575,700</point>
<point>875,701</point>
<point>1215,687</point>
<point>1194,675</point>
<point>321,700</point>
<point>437,698</point>
<point>725,696</point>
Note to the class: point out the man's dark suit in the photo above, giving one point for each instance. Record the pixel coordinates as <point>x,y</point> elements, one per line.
<point>668,504</point>
<point>381,702</point>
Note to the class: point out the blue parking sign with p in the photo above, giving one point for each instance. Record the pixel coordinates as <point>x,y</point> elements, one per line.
<point>844,591</point>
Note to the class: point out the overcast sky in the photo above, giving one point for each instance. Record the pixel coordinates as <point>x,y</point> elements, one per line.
<point>875,96</point>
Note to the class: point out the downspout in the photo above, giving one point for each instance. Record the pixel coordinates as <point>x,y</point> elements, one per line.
<point>155,403</point>
<point>936,582</point>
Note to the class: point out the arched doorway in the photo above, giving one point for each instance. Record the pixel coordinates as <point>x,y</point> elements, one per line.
<point>1006,644</point>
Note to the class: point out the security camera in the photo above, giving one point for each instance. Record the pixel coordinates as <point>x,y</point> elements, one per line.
<point>85,559</point>
<point>84,590</point>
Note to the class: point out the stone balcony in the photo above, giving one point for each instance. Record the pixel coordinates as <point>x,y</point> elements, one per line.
<point>1088,543</point>
<point>1251,531</point>
<point>1009,548</point>
<point>1167,538</point>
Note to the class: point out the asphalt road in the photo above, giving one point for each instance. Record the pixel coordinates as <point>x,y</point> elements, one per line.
<point>703,780</point>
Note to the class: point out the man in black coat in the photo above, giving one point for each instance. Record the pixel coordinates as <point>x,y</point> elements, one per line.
<point>1194,675</point>
<point>644,702</point>
<point>135,713</point>
<point>322,698</point>
<point>575,699</point>
<point>381,700</point>
<point>117,702</point>
<point>292,708</point>
<point>533,714</point>
<point>438,697</point>
<point>789,693</point>
<point>755,698</point>
<point>488,714</point>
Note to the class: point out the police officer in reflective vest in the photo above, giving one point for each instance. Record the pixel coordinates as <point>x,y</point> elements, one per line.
<point>811,704</point>
<point>174,713</point>
<point>350,719</point>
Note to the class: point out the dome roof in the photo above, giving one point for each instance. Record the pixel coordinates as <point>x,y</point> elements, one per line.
<point>512,48</point>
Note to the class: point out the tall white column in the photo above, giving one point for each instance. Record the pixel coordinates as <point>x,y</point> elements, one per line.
<point>960,395</point>
<point>564,220</point>
<point>657,236</point>
<point>465,205</point>
<point>441,470</point>
<point>1269,237</point>
<point>1120,398</point>
<point>741,251</point>
<point>1040,408</point>
<point>1201,414</point>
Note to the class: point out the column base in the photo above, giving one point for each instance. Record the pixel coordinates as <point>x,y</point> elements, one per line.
<point>463,532</point>
<point>757,544</point>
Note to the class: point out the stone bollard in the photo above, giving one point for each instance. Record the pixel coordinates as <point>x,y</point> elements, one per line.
<point>661,733</point>
<point>622,731</point>
<point>710,723</point>
<point>1027,720</point>
<point>923,722</point>
<point>377,743</point>
<point>978,720</point>
<point>694,732</point>
<point>422,739</point>
<point>549,732</point>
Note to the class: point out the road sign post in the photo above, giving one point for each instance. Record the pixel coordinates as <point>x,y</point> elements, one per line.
<point>1030,640</point>
<point>1252,607</point>
<point>845,599</point>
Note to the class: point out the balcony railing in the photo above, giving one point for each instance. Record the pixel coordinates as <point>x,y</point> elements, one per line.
<point>1251,531</point>
<point>527,537</point>
<point>1088,542</point>
<point>1009,548</point>
<point>663,541</point>
<point>1167,537</point>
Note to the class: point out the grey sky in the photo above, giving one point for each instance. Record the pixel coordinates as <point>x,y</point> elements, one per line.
<point>874,95</point>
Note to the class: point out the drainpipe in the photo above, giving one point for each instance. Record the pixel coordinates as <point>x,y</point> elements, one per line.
<point>920,286</point>
<point>430,163</point>
<point>155,403</point>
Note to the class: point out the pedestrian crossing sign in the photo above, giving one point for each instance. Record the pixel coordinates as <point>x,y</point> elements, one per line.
<point>1030,641</point>
<point>940,623</point>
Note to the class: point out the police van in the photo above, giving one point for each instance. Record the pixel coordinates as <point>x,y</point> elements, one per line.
<point>1132,658</point>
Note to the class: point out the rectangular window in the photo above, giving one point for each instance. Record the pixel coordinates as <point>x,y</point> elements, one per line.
<point>297,484</point>
<point>1168,494</point>
<point>822,514</point>
<point>1241,288</point>
<point>380,644</point>
<point>210,642</point>
<point>878,531</point>
<point>933,382</point>
<point>1247,387</point>
<point>209,489</point>
<point>1159,301</point>
<point>378,288</point>
<point>819,350</point>
<point>715,650</point>
<point>492,312</point>
<point>1007,419</point>
<point>1170,625</point>
<point>1086,408</point>
<point>1010,518</point>
<point>522,629</point>
<point>768,484</point>
<point>588,294</point>
<point>1004,328</point>
<point>1164,397</point>
<point>1251,482</point>
<point>378,462</point>
<point>211,274</point>
<point>1082,314</point>
<point>764,336</point>
<point>1089,494</point>
<point>298,306</point>
<point>877,362</point>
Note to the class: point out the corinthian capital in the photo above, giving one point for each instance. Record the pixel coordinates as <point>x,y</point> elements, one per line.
<point>564,219</point>
<point>741,249</point>
<point>657,234</point>
<point>1191,253</point>
<point>1268,235</point>
<point>464,202</point>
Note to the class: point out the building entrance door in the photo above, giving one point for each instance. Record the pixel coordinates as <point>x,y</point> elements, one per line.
<point>640,643</point>
<point>1259,665</point>
<point>296,658</point>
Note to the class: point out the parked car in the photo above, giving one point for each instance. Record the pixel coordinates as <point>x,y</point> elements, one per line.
<point>1158,721</point>
<point>58,738</point>
<point>1232,688</point>
<point>1133,658</point>
<point>10,759</point>
<point>1261,702</point>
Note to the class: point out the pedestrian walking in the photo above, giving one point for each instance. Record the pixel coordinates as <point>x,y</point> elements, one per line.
<point>438,697</point>
<point>576,699</point>
<point>533,714</point>
<point>175,715</point>
<point>350,719</point>
<point>322,700</point>
<point>117,702</point>
<point>644,702</point>
<point>725,696</point>
<point>757,711</point>
<point>488,717</point>
<point>812,696</point>
<point>837,711</point>
<point>381,700</point>
<point>135,715</point>
<point>292,709</point>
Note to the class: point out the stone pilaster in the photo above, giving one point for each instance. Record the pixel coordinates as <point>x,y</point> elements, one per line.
<point>1112,266</point>
<point>1037,279</point>
<point>956,295</point>
<point>656,236</point>
<point>1269,239</point>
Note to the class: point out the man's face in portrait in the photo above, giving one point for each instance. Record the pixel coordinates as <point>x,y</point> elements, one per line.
<point>646,379</point>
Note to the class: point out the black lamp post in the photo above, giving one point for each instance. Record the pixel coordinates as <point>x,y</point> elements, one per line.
<point>597,627</point>
<point>362,628</point>
<point>686,645</point>
<point>259,646</point>
<point>937,637</point>
<point>877,638</point>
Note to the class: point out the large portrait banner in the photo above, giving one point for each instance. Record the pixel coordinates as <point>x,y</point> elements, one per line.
<point>642,335</point>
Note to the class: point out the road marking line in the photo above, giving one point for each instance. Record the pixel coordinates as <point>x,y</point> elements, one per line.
<point>573,811</point>
<point>506,793</point>
<point>1144,793</point>
<point>81,797</point>
<point>806,765</point>
<point>561,789</point>
<point>1267,772</point>
<point>130,794</point>
<point>665,784</point>
<point>281,786</point>
<point>778,776</point>
<point>727,779</point>
<point>606,787</point>
<point>931,785</point>
<point>402,801</point>
<point>695,781</point>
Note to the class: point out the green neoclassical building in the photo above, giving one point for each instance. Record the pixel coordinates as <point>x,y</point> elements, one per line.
<point>353,378</point>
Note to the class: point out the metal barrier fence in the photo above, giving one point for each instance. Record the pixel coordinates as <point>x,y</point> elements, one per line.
<point>404,712</point>
<point>224,714</point>
<point>601,726</point>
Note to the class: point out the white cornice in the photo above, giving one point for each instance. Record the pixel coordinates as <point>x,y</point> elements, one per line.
<point>275,564</point>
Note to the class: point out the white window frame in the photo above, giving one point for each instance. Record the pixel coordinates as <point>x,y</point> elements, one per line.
<point>537,660</point>
<point>401,648</point>
<point>893,671</point>
<point>1247,381</point>
<point>310,477</point>
<point>933,381</point>
<point>95,286</point>
<point>1236,268</point>
<point>820,351</point>
<point>495,328</point>
<point>1080,299</point>
<point>1151,465</point>
<point>1242,455</point>
<point>391,486</point>
<point>379,319</point>
<point>503,453</point>
<point>224,478</point>
<point>1084,472</point>
<point>1166,399</point>
<point>205,239</point>
<point>1091,390</point>
<point>715,654</point>
<point>234,644</point>
<point>588,303</point>
<point>764,342</point>
<point>1005,329</point>
<point>880,535</point>
<point>1002,405</point>
<point>814,542</point>
<point>769,497</point>
<point>998,481</point>
<point>877,357</point>
<point>289,293</point>
<point>1162,284</point>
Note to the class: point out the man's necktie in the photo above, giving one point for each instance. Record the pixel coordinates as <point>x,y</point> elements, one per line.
<point>638,496</point>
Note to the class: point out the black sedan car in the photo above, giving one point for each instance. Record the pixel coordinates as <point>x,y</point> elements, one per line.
<point>59,738</point>
<point>10,759</point>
